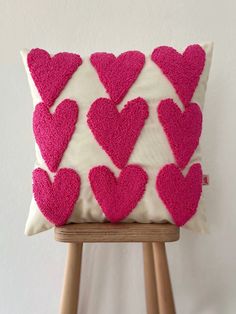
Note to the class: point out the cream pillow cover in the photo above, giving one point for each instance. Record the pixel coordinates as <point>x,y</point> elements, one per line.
<point>117,138</point>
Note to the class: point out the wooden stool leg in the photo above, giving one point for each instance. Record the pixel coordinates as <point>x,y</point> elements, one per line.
<point>164,290</point>
<point>70,294</point>
<point>150,279</point>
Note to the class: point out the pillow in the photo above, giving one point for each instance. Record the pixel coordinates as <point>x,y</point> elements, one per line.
<point>117,137</point>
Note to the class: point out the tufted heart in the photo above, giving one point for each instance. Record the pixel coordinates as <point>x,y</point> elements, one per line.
<point>183,129</point>
<point>53,131</point>
<point>180,194</point>
<point>56,200</point>
<point>51,74</point>
<point>182,70</point>
<point>117,132</point>
<point>117,74</point>
<point>118,196</point>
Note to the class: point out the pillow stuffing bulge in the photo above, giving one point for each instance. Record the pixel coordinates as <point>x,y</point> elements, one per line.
<point>120,119</point>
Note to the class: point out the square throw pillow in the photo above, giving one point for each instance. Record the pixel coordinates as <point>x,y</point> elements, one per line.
<point>117,137</point>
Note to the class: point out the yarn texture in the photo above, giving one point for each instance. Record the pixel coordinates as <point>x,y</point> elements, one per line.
<point>118,196</point>
<point>53,131</point>
<point>182,70</point>
<point>180,194</point>
<point>183,129</point>
<point>118,74</point>
<point>117,132</point>
<point>56,200</point>
<point>51,74</point>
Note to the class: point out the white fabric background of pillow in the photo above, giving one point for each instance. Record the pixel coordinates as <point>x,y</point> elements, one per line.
<point>151,151</point>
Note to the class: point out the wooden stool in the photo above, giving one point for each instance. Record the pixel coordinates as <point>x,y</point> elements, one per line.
<point>159,297</point>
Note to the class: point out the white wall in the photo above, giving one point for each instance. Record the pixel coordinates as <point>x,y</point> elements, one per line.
<point>203,268</point>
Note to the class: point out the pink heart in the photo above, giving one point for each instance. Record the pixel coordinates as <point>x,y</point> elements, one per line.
<point>117,74</point>
<point>117,132</point>
<point>182,70</point>
<point>180,194</point>
<point>118,196</point>
<point>56,200</point>
<point>51,74</point>
<point>54,131</point>
<point>183,129</point>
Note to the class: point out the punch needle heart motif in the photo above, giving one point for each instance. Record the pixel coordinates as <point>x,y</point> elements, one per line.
<point>51,74</point>
<point>56,199</point>
<point>183,129</point>
<point>118,74</point>
<point>117,132</point>
<point>118,196</point>
<point>53,131</point>
<point>182,70</point>
<point>180,194</point>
